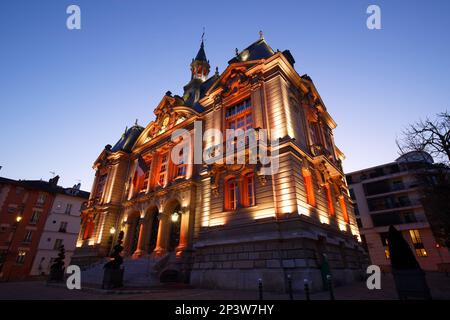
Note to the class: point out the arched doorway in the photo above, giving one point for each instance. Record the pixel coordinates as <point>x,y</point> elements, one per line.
<point>134,234</point>
<point>175,226</point>
<point>153,230</point>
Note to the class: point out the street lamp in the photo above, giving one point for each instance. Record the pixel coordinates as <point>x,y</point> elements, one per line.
<point>112,231</point>
<point>175,216</point>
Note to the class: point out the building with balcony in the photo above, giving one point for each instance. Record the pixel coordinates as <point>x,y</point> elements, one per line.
<point>61,228</point>
<point>391,194</point>
<point>25,209</point>
<point>226,224</point>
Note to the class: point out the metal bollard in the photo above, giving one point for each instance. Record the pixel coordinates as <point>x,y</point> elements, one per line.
<point>260,288</point>
<point>307,289</point>
<point>330,287</point>
<point>289,279</point>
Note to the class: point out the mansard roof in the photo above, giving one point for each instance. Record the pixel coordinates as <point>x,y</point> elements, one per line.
<point>128,139</point>
<point>190,95</point>
<point>259,49</point>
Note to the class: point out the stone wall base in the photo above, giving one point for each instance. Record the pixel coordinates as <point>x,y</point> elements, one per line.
<point>240,266</point>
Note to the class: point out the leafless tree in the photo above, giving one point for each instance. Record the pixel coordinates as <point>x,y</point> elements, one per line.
<point>432,136</point>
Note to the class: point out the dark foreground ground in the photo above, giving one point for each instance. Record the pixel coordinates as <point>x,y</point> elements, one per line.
<point>438,283</point>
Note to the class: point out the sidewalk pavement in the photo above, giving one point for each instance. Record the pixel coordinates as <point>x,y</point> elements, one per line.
<point>39,290</point>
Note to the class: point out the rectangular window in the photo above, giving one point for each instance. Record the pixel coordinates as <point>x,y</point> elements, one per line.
<point>231,194</point>
<point>100,187</point>
<point>384,242</point>
<point>417,243</point>
<point>182,166</point>
<point>344,209</point>
<point>163,169</point>
<point>68,208</point>
<point>58,244</point>
<point>21,257</point>
<point>41,199</point>
<point>310,196</point>
<point>145,180</point>
<point>248,196</point>
<point>63,227</point>
<point>28,236</point>
<point>329,200</point>
<point>239,116</point>
<point>34,217</point>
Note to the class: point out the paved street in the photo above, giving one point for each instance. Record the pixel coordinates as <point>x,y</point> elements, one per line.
<point>439,284</point>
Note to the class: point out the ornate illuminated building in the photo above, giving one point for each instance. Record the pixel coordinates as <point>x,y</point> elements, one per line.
<point>227,225</point>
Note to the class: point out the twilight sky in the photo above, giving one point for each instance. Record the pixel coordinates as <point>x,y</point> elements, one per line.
<point>65,94</point>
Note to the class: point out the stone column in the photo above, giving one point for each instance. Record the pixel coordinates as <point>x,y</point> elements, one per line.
<point>184,231</point>
<point>161,243</point>
<point>127,238</point>
<point>140,245</point>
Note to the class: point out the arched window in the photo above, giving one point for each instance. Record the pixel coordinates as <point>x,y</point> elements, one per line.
<point>231,194</point>
<point>249,190</point>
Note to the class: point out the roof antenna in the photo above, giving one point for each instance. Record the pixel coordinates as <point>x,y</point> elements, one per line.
<point>261,35</point>
<point>136,123</point>
<point>203,34</point>
<point>53,173</point>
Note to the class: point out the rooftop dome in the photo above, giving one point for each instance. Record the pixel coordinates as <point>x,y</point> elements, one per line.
<point>128,139</point>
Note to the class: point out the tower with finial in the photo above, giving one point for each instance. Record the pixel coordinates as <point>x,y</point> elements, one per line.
<point>200,65</point>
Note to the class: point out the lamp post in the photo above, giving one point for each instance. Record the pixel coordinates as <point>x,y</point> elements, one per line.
<point>8,251</point>
<point>174,217</point>
<point>112,231</point>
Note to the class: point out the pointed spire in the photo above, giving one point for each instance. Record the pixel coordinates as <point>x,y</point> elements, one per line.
<point>200,65</point>
<point>136,123</point>
<point>261,35</point>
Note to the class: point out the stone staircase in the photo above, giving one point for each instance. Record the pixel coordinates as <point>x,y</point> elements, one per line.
<point>142,272</point>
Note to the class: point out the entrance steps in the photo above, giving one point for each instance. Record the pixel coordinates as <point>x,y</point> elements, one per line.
<point>142,272</point>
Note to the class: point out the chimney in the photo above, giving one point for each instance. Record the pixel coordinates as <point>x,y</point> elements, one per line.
<point>54,181</point>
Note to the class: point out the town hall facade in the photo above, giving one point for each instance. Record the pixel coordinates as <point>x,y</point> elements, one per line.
<point>226,225</point>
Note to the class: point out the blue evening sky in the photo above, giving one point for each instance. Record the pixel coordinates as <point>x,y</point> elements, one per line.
<point>65,94</point>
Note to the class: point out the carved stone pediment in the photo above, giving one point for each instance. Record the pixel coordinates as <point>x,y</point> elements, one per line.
<point>234,82</point>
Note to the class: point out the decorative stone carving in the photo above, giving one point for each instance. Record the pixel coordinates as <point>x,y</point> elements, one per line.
<point>235,81</point>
